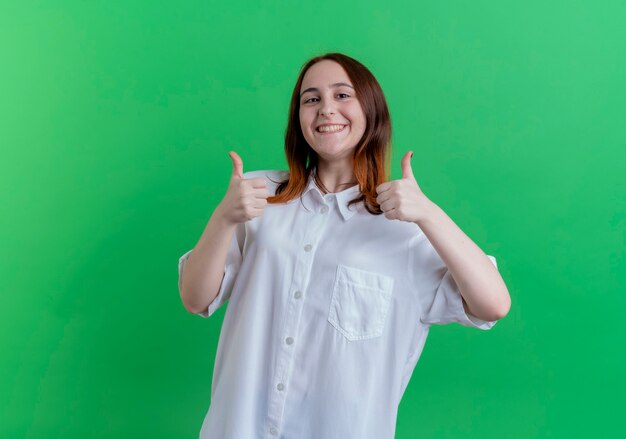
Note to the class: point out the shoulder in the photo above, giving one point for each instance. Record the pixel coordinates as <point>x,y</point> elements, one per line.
<point>273,174</point>
<point>272,177</point>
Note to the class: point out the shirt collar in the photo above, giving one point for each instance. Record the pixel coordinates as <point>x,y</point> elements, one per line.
<point>342,197</point>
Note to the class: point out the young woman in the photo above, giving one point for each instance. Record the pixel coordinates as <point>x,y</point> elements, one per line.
<point>333,273</point>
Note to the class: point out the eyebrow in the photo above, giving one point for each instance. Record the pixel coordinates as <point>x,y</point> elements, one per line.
<point>336,84</point>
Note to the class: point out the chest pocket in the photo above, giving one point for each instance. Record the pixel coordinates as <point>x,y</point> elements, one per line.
<point>360,302</point>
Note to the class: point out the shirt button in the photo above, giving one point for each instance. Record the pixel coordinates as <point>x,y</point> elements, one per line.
<point>324,209</point>
<point>280,386</point>
<point>308,247</point>
<point>298,294</point>
<point>273,431</point>
<point>289,340</point>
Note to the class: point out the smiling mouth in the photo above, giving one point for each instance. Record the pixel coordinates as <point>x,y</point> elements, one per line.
<point>330,129</point>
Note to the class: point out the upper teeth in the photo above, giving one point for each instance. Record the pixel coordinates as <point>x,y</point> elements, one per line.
<point>329,128</point>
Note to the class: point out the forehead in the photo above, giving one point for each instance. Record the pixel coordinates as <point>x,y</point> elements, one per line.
<point>323,74</point>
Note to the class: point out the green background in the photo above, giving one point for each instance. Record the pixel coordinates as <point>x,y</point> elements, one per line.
<point>116,118</point>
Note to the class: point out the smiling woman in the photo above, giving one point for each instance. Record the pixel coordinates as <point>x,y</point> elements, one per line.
<point>331,117</point>
<point>333,274</point>
<point>339,125</point>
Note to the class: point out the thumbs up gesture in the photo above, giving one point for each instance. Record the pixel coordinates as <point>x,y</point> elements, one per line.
<point>245,198</point>
<point>403,199</point>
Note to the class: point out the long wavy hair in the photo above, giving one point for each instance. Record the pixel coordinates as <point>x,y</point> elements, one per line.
<point>371,155</point>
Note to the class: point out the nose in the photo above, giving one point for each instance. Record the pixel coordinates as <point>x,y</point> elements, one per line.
<point>326,109</point>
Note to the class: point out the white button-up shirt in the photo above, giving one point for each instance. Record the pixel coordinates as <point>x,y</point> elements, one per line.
<point>328,311</point>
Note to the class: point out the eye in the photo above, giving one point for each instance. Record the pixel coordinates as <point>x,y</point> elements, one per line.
<point>344,94</point>
<point>306,101</point>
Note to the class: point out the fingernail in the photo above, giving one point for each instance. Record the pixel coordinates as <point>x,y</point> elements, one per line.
<point>411,155</point>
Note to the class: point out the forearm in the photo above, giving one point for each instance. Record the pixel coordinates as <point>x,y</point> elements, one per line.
<point>204,269</point>
<point>479,281</point>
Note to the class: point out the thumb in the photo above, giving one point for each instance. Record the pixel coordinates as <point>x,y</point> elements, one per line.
<point>407,171</point>
<point>237,165</point>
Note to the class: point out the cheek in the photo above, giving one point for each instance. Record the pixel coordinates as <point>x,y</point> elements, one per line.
<point>358,117</point>
<point>305,127</point>
<point>359,122</point>
<point>304,121</point>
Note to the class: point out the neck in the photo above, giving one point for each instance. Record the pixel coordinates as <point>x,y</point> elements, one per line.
<point>336,176</point>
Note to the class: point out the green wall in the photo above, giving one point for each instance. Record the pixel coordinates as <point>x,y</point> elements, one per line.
<point>115,122</point>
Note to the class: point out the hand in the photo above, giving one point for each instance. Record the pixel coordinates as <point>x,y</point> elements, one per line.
<point>245,198</point>
<point>403,199</point>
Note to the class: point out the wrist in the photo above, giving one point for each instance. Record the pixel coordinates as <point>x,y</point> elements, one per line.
<point>219,216</point>
<point>429,210</point>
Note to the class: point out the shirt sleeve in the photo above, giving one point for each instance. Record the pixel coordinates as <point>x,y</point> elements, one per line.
<point>439,296</point>
<point>231,269</point>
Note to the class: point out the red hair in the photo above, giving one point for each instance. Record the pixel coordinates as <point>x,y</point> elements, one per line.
<point>371,154</point>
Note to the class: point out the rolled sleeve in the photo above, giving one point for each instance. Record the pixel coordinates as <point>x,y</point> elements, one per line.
<point>231,269</point>
<point>440,298</point>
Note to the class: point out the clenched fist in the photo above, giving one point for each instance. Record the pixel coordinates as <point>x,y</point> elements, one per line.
<point>245,198</point>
